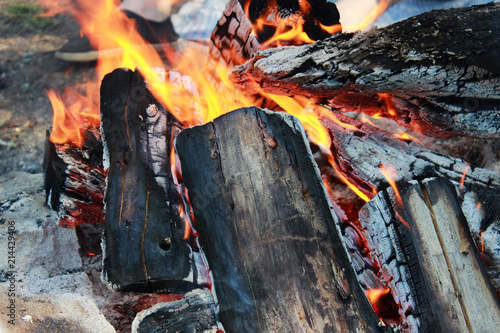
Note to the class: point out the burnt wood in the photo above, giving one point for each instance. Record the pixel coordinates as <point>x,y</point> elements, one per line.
<point>195,312</point>
<point>74,180</point>
<point>268,228</point>
<point>440,71</point>
<point>428,257</point>
<point>359,155</point>
<point>144,247</point>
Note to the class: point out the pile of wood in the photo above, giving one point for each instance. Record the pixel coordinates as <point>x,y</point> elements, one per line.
<point>282,256</point>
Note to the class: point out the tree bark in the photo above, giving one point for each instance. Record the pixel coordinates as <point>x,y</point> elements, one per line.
<point>428,257</point>
<point>144,244</point>
<point>271,237</point>
<point>439,71</point>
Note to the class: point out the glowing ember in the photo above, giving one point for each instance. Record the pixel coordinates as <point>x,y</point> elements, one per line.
<point>374,295</point>
<point>390,108</point>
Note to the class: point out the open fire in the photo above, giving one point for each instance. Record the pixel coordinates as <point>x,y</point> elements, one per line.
<point>195,96</point>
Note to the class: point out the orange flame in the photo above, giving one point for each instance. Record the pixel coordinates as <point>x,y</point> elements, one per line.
<point>462,180</point>
<point>73,114</point>
<point>375,294</point>
<point>290,29</point>
<point>188,230</point>
<point>371,17</point>
<point>345,180</point>
<point>390,107</point>
<point>391,175</point>
<point>405,136</point>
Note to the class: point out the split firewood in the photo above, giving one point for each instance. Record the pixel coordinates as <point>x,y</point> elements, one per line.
<point>437,72</point>
<point>145,248</point>
<point>195,312</point>
<point>363,157</point>
<point>268,228</point>
<point>74,180</point>
<point>420,239</point>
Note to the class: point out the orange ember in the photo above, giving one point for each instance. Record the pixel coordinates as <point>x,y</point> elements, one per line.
<point>390,107</point>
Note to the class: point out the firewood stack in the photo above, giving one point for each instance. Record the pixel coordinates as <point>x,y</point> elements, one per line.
<point>281,255</point>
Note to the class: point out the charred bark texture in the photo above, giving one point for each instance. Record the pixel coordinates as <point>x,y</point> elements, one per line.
<point>75,179</point>
<point>144,248</point>
<point>361,154</point>
<point>426,254</point>
<point>267,226</point>
<point>440,70</point>
<point>195,312</point>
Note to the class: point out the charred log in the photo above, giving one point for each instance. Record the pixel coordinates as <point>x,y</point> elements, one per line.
<point>75,179</point>
<point>268,228</point>
<point>361,155</point>
<point>144,245</point>
<point>195,312</point>
<point>439,69</point>
<point>426,254</point>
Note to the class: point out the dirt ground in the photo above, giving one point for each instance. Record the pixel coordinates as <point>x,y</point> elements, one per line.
<point>27,70</point>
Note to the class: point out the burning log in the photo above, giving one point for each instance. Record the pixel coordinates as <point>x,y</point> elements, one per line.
<point>362,156</point>
<point>436,72</point>
<point>421,241</point>
<point>268,228</point>
<point>74,180</point>
<point>144,244</point>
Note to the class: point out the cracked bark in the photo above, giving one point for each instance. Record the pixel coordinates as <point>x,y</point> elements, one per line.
<point>268,228</point>
<point>428,257</point>
<point>440,71</point>
<point>144,247</point>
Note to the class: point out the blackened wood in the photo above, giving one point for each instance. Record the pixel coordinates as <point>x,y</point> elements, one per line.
<point>74,180</point>
<point>268,228</point>
<point>360,153</point>
<point>232,42</point>
<point>426,254</point>
<point>195,312</point>
<point>439,68</point>
<point>144,249</point>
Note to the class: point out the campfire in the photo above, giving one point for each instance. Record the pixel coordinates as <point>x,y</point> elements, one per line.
<point>246,185</point>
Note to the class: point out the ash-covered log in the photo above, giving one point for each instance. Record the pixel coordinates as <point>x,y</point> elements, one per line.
<point>420,239</point>
<point>74,180</point>
<point>268,227</point>
<point>144,246</point>
<point>363,156</point>
<point>437,72</point>
<point>195,312</point>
